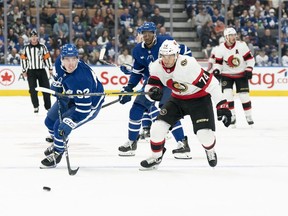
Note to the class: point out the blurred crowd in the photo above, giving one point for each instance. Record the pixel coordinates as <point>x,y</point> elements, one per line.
<point>256,22</point>
<point>93,26</point>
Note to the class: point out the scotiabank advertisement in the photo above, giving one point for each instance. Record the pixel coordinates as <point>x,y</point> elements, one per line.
<point>266,81</point>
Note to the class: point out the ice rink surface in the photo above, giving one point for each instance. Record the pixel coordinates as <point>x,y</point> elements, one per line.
<point>251,178</point>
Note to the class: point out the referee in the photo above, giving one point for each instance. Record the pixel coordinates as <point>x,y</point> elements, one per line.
<point>34,58</point>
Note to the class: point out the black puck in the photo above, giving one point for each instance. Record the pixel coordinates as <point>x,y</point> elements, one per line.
<point>46,188</point>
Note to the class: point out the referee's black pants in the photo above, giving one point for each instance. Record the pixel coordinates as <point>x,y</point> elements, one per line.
<point>41,76</point>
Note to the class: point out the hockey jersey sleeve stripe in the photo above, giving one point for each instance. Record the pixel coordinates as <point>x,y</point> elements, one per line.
<point>219,61</point>
<point>82,111</point>
<point>248,56</point>
<point>83,104</point>
<point>203,79</point>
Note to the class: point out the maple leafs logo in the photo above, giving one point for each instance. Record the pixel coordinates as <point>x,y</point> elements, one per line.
<point>7,77</point>
<point>233,61</point>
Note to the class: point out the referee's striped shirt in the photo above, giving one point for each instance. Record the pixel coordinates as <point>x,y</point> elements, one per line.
<point>35,57</point>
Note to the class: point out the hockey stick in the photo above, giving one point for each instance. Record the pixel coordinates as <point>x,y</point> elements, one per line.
<point>50,91</point>
<point>70,170</point>
<point>110,103</point>
<point>101,59</point>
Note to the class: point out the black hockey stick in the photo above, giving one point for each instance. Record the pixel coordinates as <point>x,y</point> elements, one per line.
<point>49,91</point>
<point>70,170</point>
<point>110,103</point>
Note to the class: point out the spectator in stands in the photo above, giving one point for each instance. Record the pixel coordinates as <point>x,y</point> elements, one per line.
<point>77,27</point>
<point>139,19</point>
<point>274,59</point>
<point>82,48</point>
<point>27,16</point>
<point>93,46</point>
<point>157,18</point>
<point>134,8</point>
<point>88,35</point>
<point>97,21</point>
<point>1,34</point>
<point>19,27</point>
<point>189,7</point>
<point>93,58</point>
<point>217,16</point>
<point>13,58</point>
<point>126,20</point>
<point>2,51</point>
<point>125,57</point>
<point>78,3</point>
<point>84,18</point>
<point>12,37</point>
<point>109,21</point>
<point>238,10</point>
<point>12,16</point>
<point>249,30</point>
<point>201,19</point>
<point>103,39</point>
<point>43,37</point>
<point>32,24</point>
<point>54,16</point>
<point>267,41</point>
<point>148,9</point>
<point>60,28</point>
<point>285,59</point>
<point>219,27</point>
<point>44,17</point>
<point>261,59</point>
<point>163,32</point>
<point>271,21</point>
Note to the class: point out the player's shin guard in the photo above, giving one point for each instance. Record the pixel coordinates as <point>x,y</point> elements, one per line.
<point>208,141</point>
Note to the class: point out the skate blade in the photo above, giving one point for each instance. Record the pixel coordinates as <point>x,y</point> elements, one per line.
<point>149,168</point>
<point>183,156</point>
<point>233,126</point>
<point>127,154</point>
<point>47,167</point>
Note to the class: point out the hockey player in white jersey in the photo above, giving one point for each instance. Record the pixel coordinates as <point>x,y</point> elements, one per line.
<point>234,63</point>
<point>192,88</point>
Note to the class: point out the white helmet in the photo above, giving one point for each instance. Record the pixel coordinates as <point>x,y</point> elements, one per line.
<point>169,47</point>
<point>229,31</point>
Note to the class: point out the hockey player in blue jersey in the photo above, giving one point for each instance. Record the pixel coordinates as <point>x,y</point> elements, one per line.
<point>144,53</point>
<point>73,76</point>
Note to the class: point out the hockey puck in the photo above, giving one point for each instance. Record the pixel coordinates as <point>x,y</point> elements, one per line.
<point>46,188</point>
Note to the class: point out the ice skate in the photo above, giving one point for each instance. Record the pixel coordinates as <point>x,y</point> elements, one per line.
<point>152,162</point>
<point>233,122</point>
<point>249,120</point>
<point>145,134</point>
<point>36,110</point>
<point>52,160</point>
<point>49,139</point>
<point>183,150</point>
<point>211,157</point>
<point>49,150</point>
<point>129,148</point>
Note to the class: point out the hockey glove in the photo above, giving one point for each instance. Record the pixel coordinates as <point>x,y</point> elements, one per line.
<point>156,93</point>
<point>57,86</point>
<point>66,126</point>
<point>125,70</point>
<point>223,113</point>
<point>126,98</point>
<point>217,74</point>
<point>248,72</point>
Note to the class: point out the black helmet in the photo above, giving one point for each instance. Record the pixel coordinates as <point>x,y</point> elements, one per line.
<point>33,33</point>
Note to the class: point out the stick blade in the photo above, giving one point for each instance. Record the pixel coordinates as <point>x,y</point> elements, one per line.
<point>73,172</point>
<point>102,53</point>
<point>45,90</point>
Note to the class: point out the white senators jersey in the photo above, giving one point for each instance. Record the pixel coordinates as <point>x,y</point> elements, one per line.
<point>187,79</point>
<point>232,61</point>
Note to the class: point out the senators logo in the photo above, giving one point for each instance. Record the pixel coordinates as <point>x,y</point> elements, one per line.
<point>233,61</point>
<point>180,86</point>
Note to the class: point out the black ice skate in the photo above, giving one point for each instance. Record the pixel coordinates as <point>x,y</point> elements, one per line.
<point>49,139</point>
<point>183,150</point>
<point>249,120</point>
<point>152,163</point>
<point>145,133</point>
<point>49,150</point>
<point>52,160</point>
<point>129,148</point>
<point>211,157</point>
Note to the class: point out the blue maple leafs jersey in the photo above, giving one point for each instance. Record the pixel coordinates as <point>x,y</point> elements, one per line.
<point>82,80</point>
<point>143,57</point>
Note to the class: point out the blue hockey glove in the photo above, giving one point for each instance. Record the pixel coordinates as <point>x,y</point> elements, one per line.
<point>223,113</point>
<point>66,127</point>
<point>57,86</point>
<point>248,72</point>
<point>125,70</point>
<point>156,93</point>
<point>126,98</point>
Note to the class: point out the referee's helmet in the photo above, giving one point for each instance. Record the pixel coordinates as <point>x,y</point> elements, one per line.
<point>69,50</point>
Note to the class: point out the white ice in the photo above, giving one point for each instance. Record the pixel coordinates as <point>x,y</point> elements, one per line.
<point>251,178</point>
